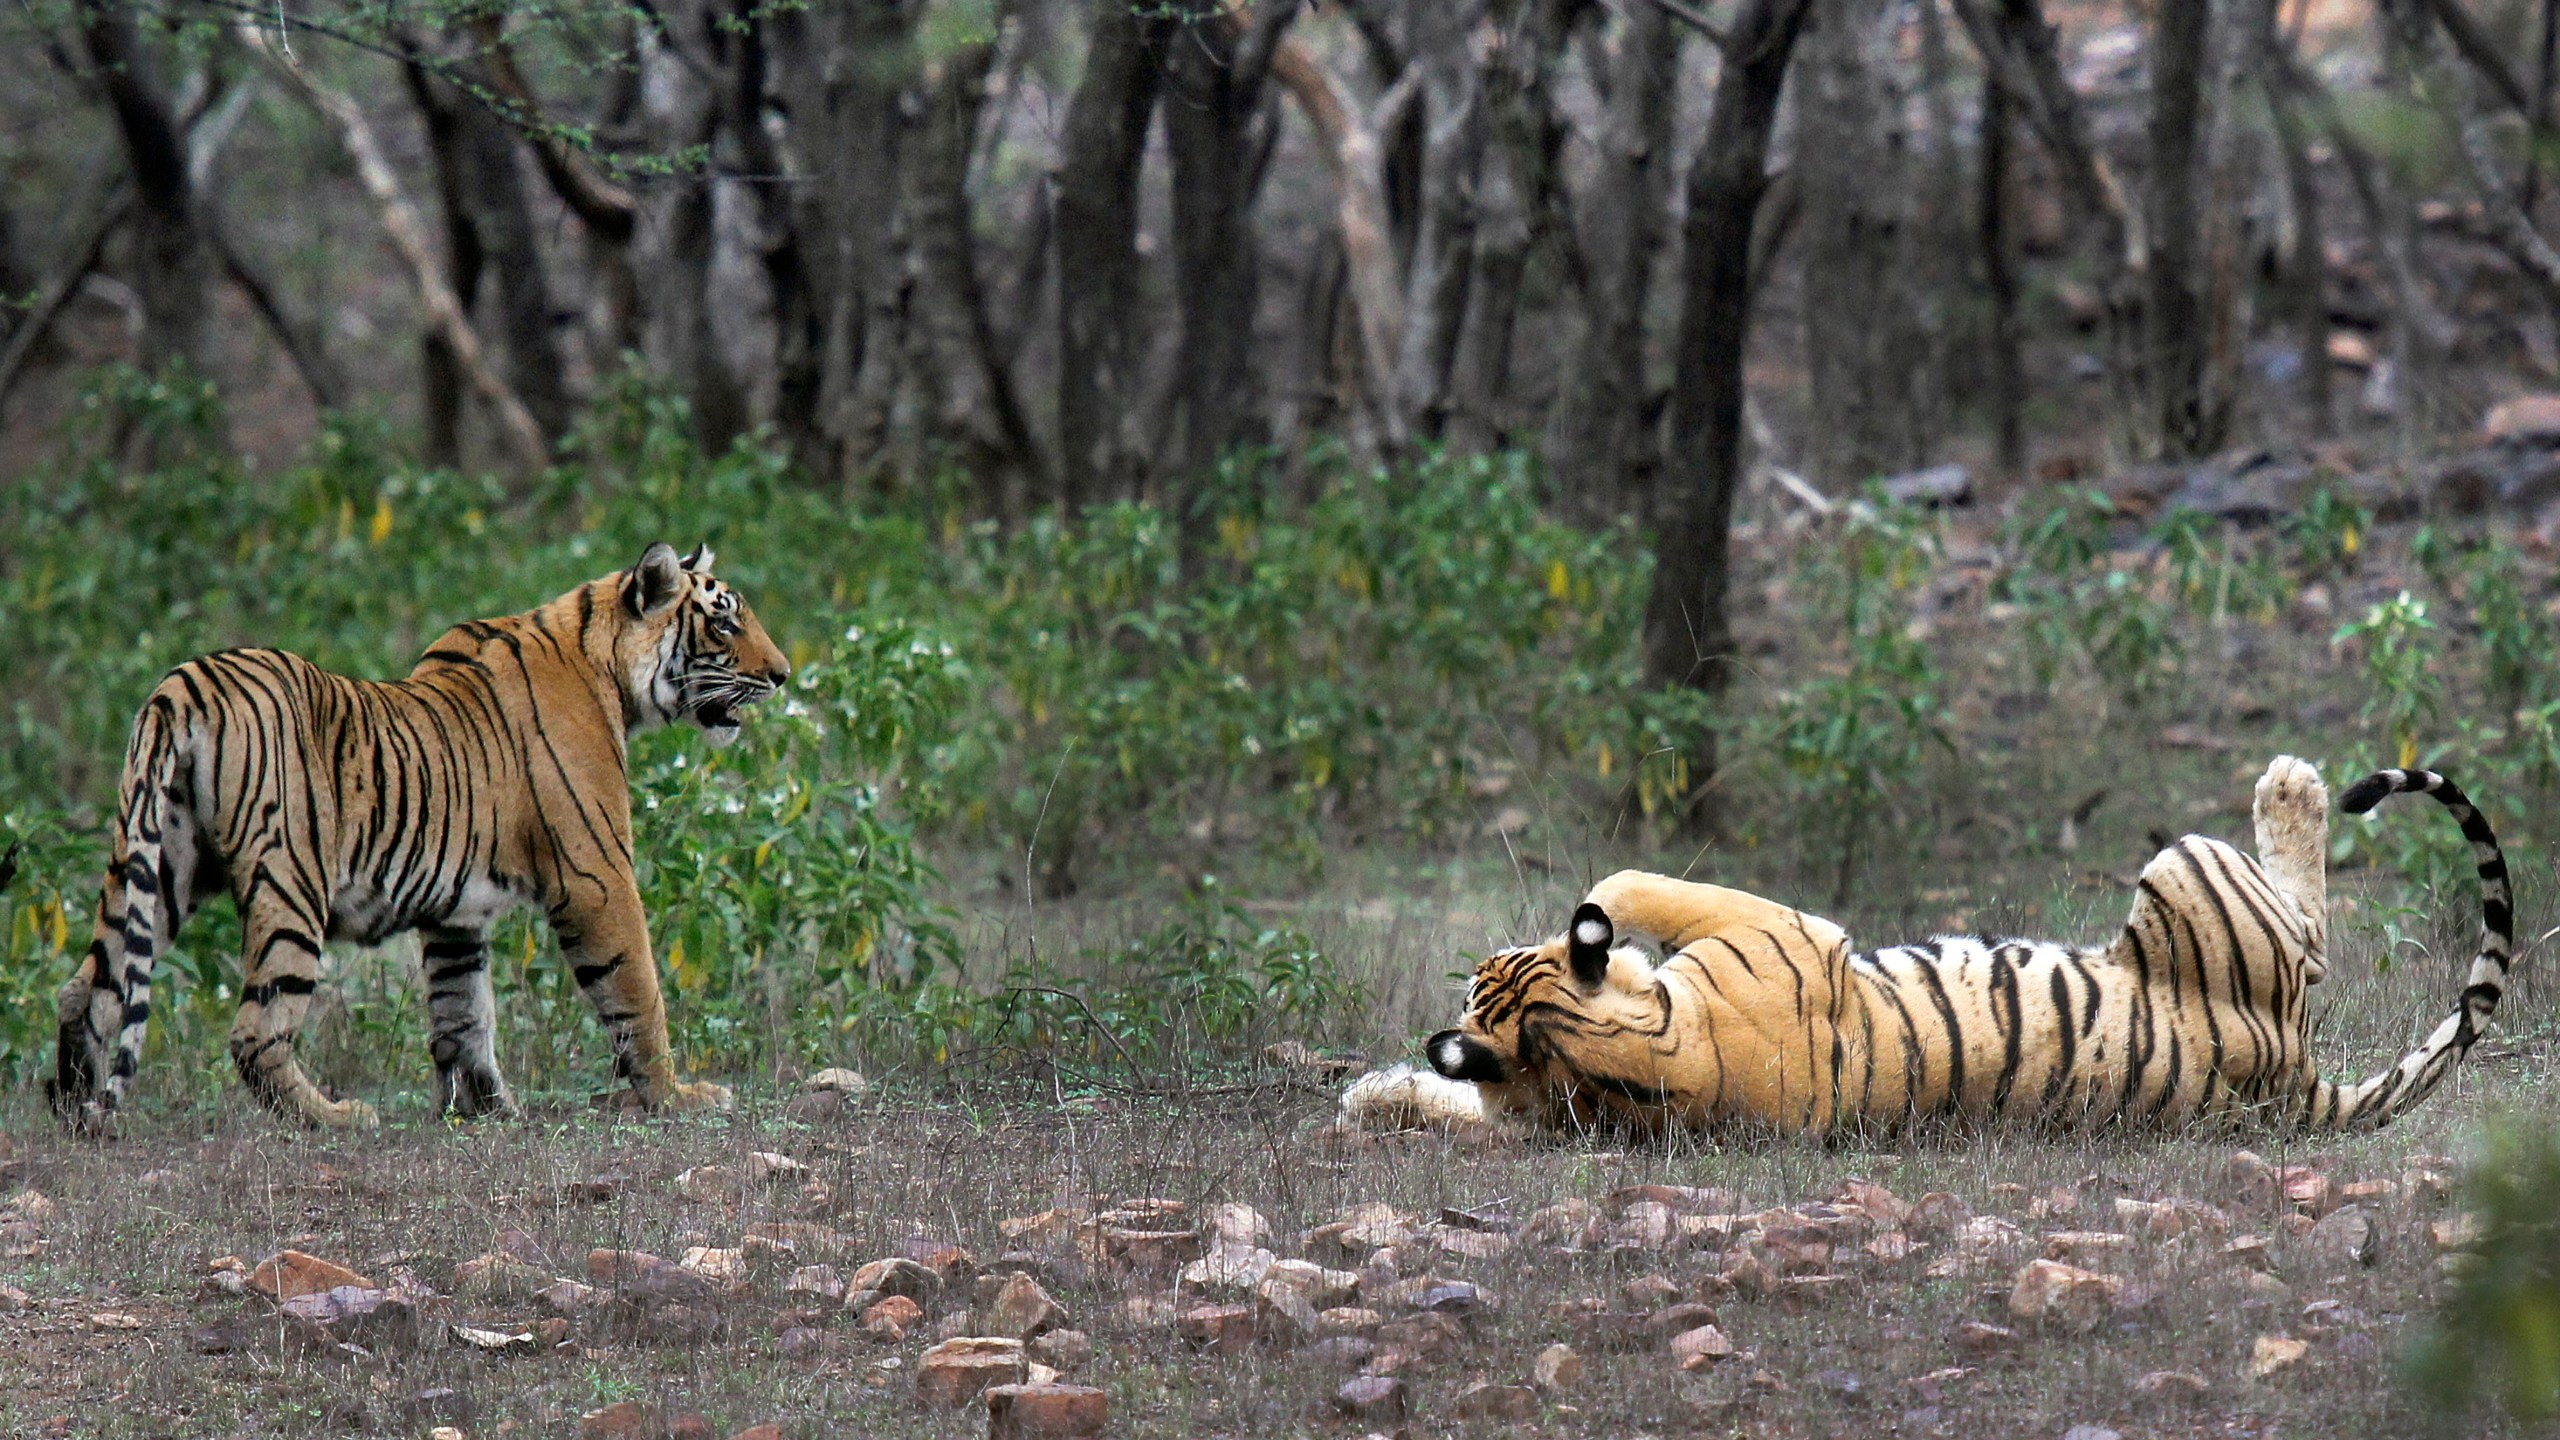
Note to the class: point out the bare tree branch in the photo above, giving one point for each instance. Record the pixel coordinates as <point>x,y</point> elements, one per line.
<point>408,232</point>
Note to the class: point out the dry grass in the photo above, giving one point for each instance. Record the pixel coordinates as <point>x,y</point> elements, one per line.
<point>198,1176</point>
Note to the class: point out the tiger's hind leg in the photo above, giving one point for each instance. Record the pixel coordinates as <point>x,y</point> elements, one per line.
<point>103,1012</point>
<point>462,1025</point>
<point>2292,813</point>
<point>280,965</point>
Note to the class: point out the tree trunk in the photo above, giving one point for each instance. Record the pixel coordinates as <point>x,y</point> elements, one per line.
<point>1864,345</point>
<point>1441,272</point>
<point>1597,447</point>
<point>2188,424</point>
<point>1096,225</point>
<point>171,268</point>
<point>677,238</point>
<point>1214,69</point>
<point>441,383</point>
<point>1687,636</point>
<point>2306,263</point>
<point>977,404</point>
<point>2000,285</point>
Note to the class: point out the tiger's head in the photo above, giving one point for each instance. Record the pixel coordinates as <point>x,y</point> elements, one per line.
<point>1526,1006</point>
<point>690,649</point>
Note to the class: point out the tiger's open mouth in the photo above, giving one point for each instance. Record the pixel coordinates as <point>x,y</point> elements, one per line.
<point>717,712</point>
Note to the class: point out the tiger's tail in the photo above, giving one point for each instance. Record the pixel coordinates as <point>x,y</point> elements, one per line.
<point>2377,1100</point>
<point>104,1009</point>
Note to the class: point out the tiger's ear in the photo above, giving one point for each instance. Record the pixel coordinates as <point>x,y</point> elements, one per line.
<point>653,584</point>
<point>1587,944</point>
<point>699,562</point>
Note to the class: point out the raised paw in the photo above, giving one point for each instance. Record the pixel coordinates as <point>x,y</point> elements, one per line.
<point>2292,792</point>
<point>2293,844</point>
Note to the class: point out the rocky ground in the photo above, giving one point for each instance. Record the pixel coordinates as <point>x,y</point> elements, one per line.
<point>839,1262</point>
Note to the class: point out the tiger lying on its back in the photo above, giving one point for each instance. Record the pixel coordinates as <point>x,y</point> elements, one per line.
<point>1761,1013</point>
<point>493,776</point>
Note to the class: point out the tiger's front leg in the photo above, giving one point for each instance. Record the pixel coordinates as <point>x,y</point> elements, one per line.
<point>606,942</point>
<point>462,1025</point>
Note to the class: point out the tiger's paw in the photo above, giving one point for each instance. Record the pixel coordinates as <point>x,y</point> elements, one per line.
<point>2292,797</point>
<point>347,1115</point>
<point>698,1097</point>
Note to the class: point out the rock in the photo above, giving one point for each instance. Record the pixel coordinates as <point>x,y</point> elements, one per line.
<point>722,1267</point>
<point>766,1431</point>
<point>498,1277</point>
<point>2526,419</point>
<point>2168,1385</point>
<point>1506,1404</point>
<point>2273,1354</point>
<point>691,1425</point>
<point>709,1185</point>
<point>896,1276</point>
<point>1936,1215</point>
<point>1240,1226</point>
<point>1888,1210</point>
<point>552,1332</point>
<point>1975,1341</point>
<point>1650,1292</point>
<point>2052,1293</point>
<point>1323,1288</point>
<point>2457,1232</point>
<point>1695,1348</point>
<point>848,1083</point>
<point>816,1282</point>
<point>494,1342</point>
<point>1795,1249</point>
<point>816,1108</point>
<point>563,1297</point>
<point>1150,1251</point>
<point>2085,1247</point>
<point>1936,487</point>
<point>765,1167</point>
<point>1670,1320</point>
<point>2250,1251</point>
<point>1065,1349</point>
<point>1283,1314</point>
<point>2265,1289</point>
<point>622,1420</point>
<point>355,1315</point>
<point>954,1372</point>
<point>2307,1190</point>
<point>1374,1398</point>
<point>2344,1236</point>
<point>648,1281</point>
<point>802,1345</point>
<point>2091,1432</point>
<point>2250,1174</point>
<point>1222,1329</point>
<point>890,1319</point>
<point>1348,1320</point>
<point>1558,1367</point>
<point>1426,1336</point>
<point>1226,1270</point>
<point>1046,1412</point>
<point>288,1273</point>
<point>1474,1244</point>
<point>1342,1352</point>
<point>1022,1309</point>
<point>802,1238</point>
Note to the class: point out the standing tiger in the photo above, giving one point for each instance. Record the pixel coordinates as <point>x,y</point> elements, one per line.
<point>494,775</point>
<point>1760,1013</point>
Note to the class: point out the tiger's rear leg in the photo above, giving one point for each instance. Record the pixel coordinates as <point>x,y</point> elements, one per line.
<point>103,1012</point>
<point>2292,813</point>
<point>280,965</point>
<point>462,1026</point>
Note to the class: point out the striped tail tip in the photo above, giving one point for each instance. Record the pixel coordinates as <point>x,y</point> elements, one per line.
<point>2379,786</point>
